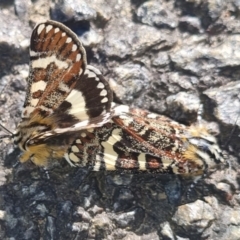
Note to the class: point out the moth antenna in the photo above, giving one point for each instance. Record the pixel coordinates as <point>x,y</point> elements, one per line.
<point>6,136</point>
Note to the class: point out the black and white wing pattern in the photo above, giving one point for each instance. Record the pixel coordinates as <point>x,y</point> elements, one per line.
<point>64,94</point>
<point>138,140</point>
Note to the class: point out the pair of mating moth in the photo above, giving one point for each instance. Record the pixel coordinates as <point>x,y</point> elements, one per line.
<point>69,113</point>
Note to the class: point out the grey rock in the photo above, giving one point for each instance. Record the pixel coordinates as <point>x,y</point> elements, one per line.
<point>125,219</point>
<point>215,8</point>
<point>166,230</point>
<point>84,215</point>
<point>122,45</point>
<point>91,38</point>
<point>227,99</point>
<point>132,79</point>
<point>95,210</point>
<point>154,13</point>
<point>233,233</point>
<point>132,236</point>
<point>43,211</point>
<point>102,221</point>
<point>50,228</point>
<point>194,216</point>
<point>22,8</point>
<point>72,10</point>
<point>190,24</point>
<point>122,199</point>
<point>160,60</point>
<point>39,11</point>
<point>118,180</point>
<point>104,10</point>
<point>80,227</point>
<point>186,101</point>
<point>200,59</point>
<point>232,216</point>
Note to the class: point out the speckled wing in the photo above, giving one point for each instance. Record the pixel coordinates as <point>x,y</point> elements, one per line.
<point>138,140</point>
<point>61,84</point>
<point>64,95</point>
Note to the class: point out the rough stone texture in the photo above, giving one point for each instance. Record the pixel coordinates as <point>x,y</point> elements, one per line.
<point>168,57</point>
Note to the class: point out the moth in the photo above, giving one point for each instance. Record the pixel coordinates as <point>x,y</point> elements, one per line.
<point>64,95</point>
<point>138,140</point>
<point>69,113</point>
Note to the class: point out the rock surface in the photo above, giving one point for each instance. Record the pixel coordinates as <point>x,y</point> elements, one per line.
<point>168,58</point>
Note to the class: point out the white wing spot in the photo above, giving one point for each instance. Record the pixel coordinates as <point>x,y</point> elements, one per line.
<point>44,62</point>
<point>68,160</point>
<point>142,161</point>
<point>40,28</point>
<point>80,71</point>
<point>56,30</point>
<point>48,28</point>
<point>90,74</point>
<point>46,109</point>
<point>109,154</point>
<point>74,47</point>
<point>121,109</point>
<point>90,130</point>
<point>64,87</point>
<point>33,53</point>
<point>63,34</point>
<point>97,163</point>
<point>83,135</point>
<point>100,85</point>
<point>78,57</point>
<point>127,120</point>
<point>75,148</point>
<point>68,40</point>
<point>93,69</point>
<point>78,102</point>
<point>27,111</point>
<point>103,92</point>
<point>34,102</point>
<point>73,157</point>
<point>152,115</point>
<point>104,100</point>
<point>78,141</point>
<point>39,85</point>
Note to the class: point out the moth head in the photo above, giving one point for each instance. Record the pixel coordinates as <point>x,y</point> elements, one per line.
<point>39,143</point>
<point>27,137</point>
<point>30,130</point>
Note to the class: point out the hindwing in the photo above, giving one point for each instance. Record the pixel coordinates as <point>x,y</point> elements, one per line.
<point>138,140</point>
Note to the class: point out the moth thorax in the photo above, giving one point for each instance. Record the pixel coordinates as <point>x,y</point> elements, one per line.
<point>26,134</point>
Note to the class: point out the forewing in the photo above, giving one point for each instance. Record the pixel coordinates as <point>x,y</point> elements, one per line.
<point>62,88</point>
<point>57,62</point>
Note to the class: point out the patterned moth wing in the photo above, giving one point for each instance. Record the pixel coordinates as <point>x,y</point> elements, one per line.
<point>139,140</point>
<point>64,95</point>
